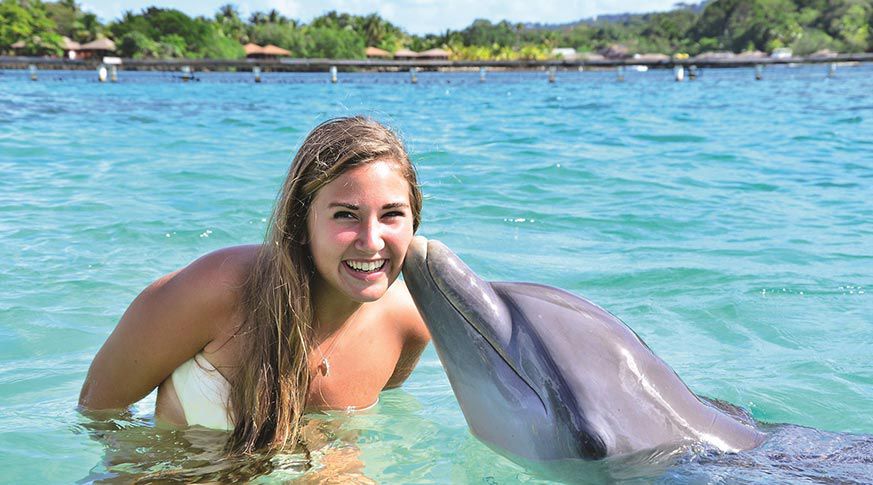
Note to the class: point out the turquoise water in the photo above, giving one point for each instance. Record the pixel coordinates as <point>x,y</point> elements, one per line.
<point>727,221</point>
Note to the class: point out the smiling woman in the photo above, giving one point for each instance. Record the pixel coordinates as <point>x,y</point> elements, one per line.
<point>229,339</point>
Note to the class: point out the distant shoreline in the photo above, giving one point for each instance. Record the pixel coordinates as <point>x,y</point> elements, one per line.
<point>373,65</point>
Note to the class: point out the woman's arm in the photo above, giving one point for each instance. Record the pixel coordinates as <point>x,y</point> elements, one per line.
<point>169,322</point>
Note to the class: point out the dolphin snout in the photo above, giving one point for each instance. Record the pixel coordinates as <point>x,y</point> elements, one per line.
<point>418,247</point>
<point>415,262</point>
<point>416,254</point>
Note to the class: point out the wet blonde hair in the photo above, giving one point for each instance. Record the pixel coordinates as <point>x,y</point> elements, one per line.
<point>269,393</point>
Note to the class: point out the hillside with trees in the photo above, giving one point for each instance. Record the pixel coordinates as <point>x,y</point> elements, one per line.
<point>805,26</point>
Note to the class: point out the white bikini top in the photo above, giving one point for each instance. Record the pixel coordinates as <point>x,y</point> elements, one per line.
<point>205,394</point>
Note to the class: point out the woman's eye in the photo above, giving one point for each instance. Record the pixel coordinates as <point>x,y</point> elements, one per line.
<point>343,215</point>
<point>394,214</point>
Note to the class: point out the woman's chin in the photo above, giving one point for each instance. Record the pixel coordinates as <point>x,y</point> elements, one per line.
<point>368,295</point>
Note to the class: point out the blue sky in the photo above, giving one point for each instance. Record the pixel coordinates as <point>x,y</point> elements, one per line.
<point>415,16</point>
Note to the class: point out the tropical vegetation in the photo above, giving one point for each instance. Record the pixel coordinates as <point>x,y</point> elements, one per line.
<point>805,26</point>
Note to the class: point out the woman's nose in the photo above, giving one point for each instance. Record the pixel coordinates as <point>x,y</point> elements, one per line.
<point>370,237</point>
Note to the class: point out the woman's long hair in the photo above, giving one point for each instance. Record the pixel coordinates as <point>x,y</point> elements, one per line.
<point>270,388</point>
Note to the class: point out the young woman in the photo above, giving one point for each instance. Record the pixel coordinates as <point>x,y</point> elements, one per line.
<point>249,338</point>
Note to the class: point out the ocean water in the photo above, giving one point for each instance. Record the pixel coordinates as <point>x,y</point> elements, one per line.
<point>727,221</point>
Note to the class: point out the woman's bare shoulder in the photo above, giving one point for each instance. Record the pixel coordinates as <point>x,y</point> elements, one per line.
<point>404,313</point>
<point>230,265</point>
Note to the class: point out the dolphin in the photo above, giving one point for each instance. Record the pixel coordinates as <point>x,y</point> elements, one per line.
<point>544,375</point>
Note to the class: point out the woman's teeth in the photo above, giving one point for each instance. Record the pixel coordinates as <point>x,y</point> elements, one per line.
<point>366,266</point>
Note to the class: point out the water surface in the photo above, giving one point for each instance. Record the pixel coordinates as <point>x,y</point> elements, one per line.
<point>727,221</point>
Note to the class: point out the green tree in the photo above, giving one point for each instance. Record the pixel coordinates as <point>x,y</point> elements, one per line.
<point>813,40</point>
<point>137,45</point>
<point>176,35</point>
<point>230,24</point>
<point>71,21</point>
<point>483,32</point>
<point>285,36</point>
<point>853,27</point>
<point>737,24</point>
<point>28,21</point>
<point>334,43</point>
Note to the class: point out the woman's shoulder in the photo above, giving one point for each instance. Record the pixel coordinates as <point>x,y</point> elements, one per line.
<point>214,280</point>
<point>404,314</point>
<point>229,264</point>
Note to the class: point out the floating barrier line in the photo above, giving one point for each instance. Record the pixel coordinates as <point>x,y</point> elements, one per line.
<point>303,65</point>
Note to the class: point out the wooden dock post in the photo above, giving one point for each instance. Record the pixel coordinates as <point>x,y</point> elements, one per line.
<point>620,73</point>
<point>333,74</point>
<point>32,69</point>
<point>257,72</point>
<point>482,74</point>
<point>102,73</point>
<point>759,72</point>
<point>692,72</point>
<point>832,69</point>
<point>679,73</point>
<point>113,73</point>
<point>412,75</point>
<point>552,73</point>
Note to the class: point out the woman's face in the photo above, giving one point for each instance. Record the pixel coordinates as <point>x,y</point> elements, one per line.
<point>360,226</point>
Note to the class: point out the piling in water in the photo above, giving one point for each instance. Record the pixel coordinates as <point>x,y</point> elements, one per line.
<point>759,72</point>
<point>482,74</point>
<point>552,73</point>
<point>257,72</point>
<point>413,78</point>
<point>32,69</point>
<point>333,78</point>
<point>620,73</point>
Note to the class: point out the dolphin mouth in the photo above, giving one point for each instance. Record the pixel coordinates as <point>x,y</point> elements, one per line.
<point>422,249</point>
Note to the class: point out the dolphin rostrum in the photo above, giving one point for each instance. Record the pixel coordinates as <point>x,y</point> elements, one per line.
<point>542,374</point>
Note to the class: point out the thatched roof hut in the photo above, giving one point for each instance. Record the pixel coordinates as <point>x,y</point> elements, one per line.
<point>103,44</point>
<point>376,53</point>
<point>70,45</point>
<point>269,51</point>
<point>405,54</point>
<point>275,51</point>
<point>436,54</point>
<point>96,49</point>
<point>252,48</point>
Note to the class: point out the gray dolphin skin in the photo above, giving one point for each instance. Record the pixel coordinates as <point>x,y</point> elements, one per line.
<point>542,374</point>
